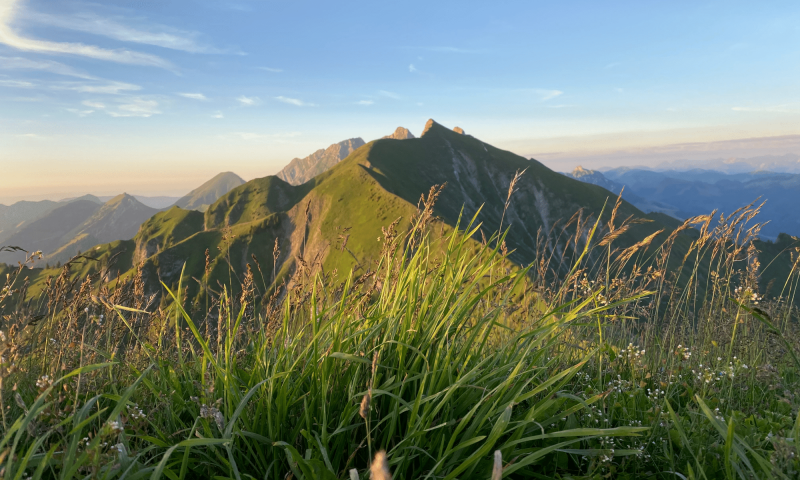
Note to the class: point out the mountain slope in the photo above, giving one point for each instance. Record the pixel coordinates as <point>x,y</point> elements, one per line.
<point>17,215</point>
<point>50,232</point>
<point>206,194</point>
<point>301,170</point>
<point>117,219</point>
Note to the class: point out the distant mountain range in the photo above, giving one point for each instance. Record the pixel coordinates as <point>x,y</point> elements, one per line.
<point>788,163</point>
<point>63,229</point>
<point>687,193</point>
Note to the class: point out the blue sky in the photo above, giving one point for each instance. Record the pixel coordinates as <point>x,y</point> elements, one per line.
<point>156,97</point>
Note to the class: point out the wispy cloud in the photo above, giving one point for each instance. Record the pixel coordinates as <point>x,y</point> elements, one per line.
<point>8,8</point>
<point>412,68</point>
<point>294,101</point>
<point>110,87</point>
<point>270,69</point>
<point>157,35</point>
<point>194,96</point>
<point>136,107</point>
<point>217,115</point>
<point>388,94</point>
<point>785,108</point>
<point>79,112</point>
<point>364,102</point>
<point>545,95</point>
<point>16,83</point>
<point>619,90</point>
<point>248,101</point>
<point>19,63</point>
<point>612,65</point>
<point>96,105</point>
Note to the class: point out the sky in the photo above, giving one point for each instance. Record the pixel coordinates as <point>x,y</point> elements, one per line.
<point>153,98</point>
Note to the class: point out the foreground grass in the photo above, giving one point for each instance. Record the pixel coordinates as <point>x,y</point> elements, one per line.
<point>439,356</point>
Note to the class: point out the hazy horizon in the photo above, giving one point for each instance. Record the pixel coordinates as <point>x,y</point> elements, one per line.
<point>156,99</point>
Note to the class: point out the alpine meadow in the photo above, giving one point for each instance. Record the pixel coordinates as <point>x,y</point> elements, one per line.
<point>399,306</point>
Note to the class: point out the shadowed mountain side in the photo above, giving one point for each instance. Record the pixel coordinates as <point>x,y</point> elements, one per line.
<point>206,194</point>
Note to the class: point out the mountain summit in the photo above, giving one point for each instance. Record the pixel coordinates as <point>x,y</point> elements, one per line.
<point>401,133</point>
<point>301,170</point>
<point>206,194</point>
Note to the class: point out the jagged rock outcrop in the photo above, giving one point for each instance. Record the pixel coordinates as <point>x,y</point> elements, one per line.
<point>401,133</point>
<point>459,130</point>
<point>301,170</point>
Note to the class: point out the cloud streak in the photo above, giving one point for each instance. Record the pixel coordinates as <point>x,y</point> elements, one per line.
<point>248,101</point>
<point>9,8</point>
<point>19,63</point>
<point>136,107</point>
<point>194,96</point>
<point>165,37</point>
<point>294,101</point>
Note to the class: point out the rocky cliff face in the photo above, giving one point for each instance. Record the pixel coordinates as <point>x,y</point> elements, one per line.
<point>401,133</point>
<point>301,170</point>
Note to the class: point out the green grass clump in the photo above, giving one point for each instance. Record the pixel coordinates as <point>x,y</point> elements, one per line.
<point>441,360</point>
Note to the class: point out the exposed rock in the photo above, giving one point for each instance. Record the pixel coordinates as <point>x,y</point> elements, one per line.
<point>401,133</point>
<point>430,123</point>
<point>301,170</point>
<point>459,130</point>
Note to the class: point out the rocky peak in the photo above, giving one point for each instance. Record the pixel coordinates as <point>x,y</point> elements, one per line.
<point>301,170</point>
<point>428,125</point>
<point>459,130</point>
<point>401,133</point>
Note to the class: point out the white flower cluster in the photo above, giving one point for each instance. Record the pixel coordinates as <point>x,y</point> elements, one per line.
<point>655,395</point>
<point>683,352</point>
<point>135,412</point>
<point>44,382</point>
<point>632,352</point>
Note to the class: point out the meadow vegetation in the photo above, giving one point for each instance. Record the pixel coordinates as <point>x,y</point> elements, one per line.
<point>442,359</point>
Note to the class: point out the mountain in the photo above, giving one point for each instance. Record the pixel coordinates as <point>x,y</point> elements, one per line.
<point>598,178</point>
<point>206,194</point>
<point>331,222</point>
<point>159,202</point>
<point>47,233</point>
<point>693,192</point>
<point>301,170</point>
<point>117,219</point>
<point>17,215</point>
<point>401,133</point>
<point>79,225</point>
